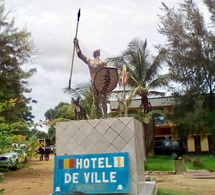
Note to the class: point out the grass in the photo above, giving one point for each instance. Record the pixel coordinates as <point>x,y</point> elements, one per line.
<point>206,162</point>
<point>162,191</point>
<point>160,163</point>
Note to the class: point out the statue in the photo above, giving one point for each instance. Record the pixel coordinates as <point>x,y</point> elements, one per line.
<point>122,107</point>
<point>146,103</point>
<point>94,66</point>
<point>79,110</point>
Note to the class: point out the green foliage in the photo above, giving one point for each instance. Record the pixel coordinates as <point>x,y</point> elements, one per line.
<point>190,55</point>
<point>162,191</point>
<point>186,158</point>
<point>1,191</point>
<point>191,59</point>
<point>51,134</point>
<point>160,163</point>
<point>62,110</point>
<point>36,133</point>
<point>143,69</point>
<point>145,118</point>
<point>16,49</point>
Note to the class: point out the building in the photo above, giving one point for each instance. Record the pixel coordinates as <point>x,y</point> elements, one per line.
<point>164,129</point>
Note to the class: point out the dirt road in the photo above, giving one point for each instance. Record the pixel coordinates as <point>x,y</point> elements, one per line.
<point>39,181</point>
<point>36,181</point>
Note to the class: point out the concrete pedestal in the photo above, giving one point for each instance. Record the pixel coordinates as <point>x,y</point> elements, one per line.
<point>123,134</point>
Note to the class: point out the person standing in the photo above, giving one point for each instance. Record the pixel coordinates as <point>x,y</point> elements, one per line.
<point>47,152</point>
<point>41,152</point>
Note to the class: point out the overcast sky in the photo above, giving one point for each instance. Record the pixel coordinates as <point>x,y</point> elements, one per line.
<point>108,25</point>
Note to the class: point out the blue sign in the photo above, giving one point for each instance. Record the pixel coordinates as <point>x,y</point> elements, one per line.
<point>91,173</point>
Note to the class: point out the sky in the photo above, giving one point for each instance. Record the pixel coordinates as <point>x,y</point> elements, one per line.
<point>108,25</point>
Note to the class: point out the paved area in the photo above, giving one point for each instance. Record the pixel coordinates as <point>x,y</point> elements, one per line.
<point>149,188</point>
<point>200,174</point>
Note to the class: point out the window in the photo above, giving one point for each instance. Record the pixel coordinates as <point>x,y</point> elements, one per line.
<point>159,119</point>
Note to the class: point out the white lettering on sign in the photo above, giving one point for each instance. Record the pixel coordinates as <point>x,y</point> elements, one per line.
<point>107,164</point>
<point>78,163</point>
<point>93,163</point>
<point>112,177</point>
<point>86,163</point>
<point>101,163</point>
<point>95,177</point>
<point>68,178</point>
<point>92,177</point>
<point>104,180</point>
<point>86,176</point>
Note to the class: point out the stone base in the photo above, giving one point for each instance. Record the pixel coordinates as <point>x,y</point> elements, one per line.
<point>123,134</point>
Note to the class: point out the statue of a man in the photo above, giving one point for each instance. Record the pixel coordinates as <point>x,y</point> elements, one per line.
<point>94,66</point>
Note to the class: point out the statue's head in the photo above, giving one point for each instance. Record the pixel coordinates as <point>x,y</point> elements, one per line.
<point>96,53</point>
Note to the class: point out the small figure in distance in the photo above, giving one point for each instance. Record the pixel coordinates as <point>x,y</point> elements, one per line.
<point>41,152</point>
<point>47,152</point>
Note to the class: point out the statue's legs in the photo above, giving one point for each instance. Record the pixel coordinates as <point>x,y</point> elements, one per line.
<point>96,100</point>
<point>104,104</point>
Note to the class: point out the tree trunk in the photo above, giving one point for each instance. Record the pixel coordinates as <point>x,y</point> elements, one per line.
<point>149,138</point>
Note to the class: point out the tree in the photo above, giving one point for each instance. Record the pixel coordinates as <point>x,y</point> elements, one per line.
<point>61,112</point>
<point>16,49</point>
<point>191,60</point>
<point>143,72</point>
<point>190,48</point>
<point>58,112</point>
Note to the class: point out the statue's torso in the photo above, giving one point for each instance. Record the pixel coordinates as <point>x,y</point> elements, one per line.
<point>95,66</point>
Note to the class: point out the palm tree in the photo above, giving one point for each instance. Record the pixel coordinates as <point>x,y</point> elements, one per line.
<point>142,69</point>
<point>143,76</point>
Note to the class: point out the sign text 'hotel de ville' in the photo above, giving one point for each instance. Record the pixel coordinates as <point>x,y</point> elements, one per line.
<point>92,173</point>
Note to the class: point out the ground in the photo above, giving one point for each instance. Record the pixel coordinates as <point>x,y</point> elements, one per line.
<point>189,186</point>
<point>38,180</point>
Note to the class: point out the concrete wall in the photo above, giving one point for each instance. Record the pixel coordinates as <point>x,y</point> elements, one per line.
<point>106,136</point>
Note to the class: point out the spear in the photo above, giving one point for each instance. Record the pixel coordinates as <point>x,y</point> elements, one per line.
<point>73,54</point>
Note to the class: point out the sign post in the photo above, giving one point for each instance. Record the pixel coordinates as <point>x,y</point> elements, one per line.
<point>92,173</point>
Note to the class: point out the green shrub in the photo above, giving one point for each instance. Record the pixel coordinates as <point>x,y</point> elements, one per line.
<point>197,162</point>
<point>186,158</point>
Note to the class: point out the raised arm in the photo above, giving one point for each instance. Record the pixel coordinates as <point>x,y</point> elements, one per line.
<point>78,50</point>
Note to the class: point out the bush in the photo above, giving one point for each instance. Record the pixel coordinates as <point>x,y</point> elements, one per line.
<point>197,162</point>
<point>186,158</point>
<point>206,162</point>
